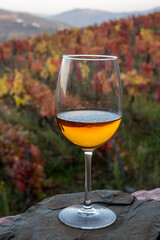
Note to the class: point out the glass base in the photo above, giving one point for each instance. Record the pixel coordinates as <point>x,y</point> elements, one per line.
<point>94,217</point>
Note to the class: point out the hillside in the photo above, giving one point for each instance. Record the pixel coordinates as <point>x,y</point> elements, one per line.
<point>21,25</point>
<point>86,17</point>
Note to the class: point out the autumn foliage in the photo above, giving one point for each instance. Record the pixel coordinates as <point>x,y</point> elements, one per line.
<point>23,161</point>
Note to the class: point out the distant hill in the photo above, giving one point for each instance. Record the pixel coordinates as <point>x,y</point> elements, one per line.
<point>21,25</point>
<point>85,17</point>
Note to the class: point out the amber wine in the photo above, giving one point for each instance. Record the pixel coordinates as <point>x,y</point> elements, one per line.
<point>88,128</point>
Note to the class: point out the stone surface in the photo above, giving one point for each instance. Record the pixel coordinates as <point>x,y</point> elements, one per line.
<point>152,194</point>
<point>136,219</point>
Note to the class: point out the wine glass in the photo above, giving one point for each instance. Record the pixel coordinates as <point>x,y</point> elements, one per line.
<point>88,112</point>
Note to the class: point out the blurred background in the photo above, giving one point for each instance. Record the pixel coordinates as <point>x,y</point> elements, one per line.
<point>35,160</point>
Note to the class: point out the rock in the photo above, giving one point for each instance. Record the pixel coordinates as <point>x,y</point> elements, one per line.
<point>152,194</point>
<point>136,219</point>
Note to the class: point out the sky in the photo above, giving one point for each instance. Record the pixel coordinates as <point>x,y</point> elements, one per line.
<point>51,7</point>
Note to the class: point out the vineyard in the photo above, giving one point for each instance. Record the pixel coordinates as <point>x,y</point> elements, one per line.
<point>35,159</point>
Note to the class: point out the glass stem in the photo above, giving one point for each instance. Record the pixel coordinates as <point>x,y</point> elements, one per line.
<point>88,162</point>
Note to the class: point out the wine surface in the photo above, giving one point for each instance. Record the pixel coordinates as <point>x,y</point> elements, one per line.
<point>88,128</point>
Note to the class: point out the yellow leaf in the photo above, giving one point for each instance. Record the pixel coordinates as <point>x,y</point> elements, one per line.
<point>21,101</point>
<point>51,67</point>
<point>84,69</point>
<point>18,83</point>
<point>117,27</point>
<point>146,34</point>
<point>4,86</point>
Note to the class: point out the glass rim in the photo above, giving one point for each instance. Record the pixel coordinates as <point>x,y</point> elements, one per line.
<point>90,57</point>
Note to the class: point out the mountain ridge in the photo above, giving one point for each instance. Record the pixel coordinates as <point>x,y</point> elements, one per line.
<point>83,17</point>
